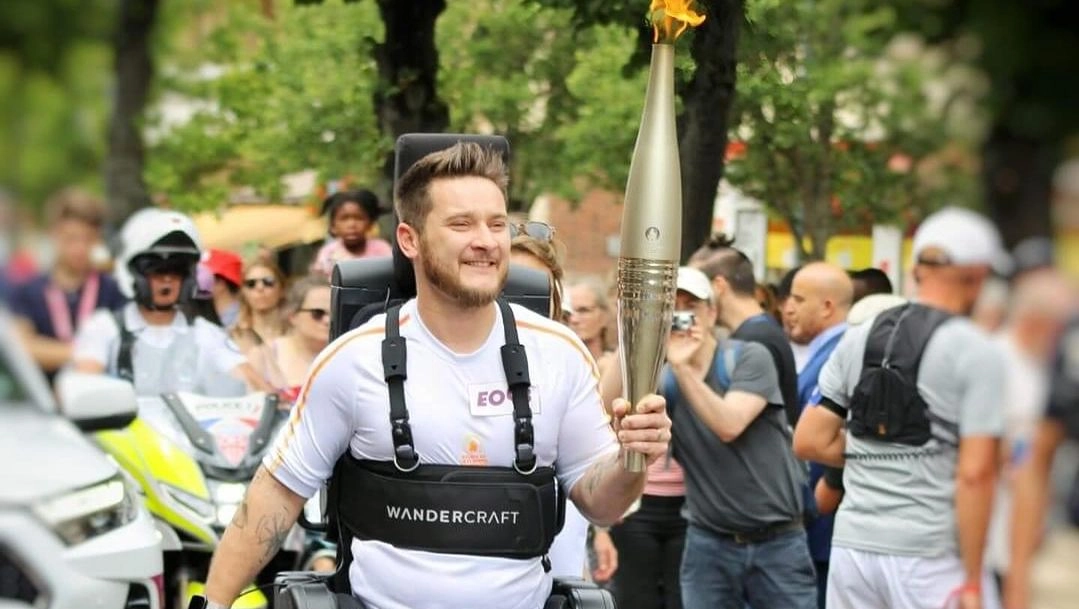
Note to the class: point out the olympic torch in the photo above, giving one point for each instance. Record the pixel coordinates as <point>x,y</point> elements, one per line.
<point>652,220</point>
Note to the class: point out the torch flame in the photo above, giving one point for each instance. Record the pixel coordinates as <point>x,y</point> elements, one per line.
<point>672,17</point>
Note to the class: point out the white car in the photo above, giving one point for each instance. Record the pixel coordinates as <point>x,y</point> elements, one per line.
<point>73,533</point>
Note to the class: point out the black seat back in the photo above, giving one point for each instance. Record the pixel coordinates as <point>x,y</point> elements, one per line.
<point>360,289</point>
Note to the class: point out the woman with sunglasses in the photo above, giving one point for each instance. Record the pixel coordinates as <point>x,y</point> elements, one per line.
<point>283,361</point>
<point>262,316</point>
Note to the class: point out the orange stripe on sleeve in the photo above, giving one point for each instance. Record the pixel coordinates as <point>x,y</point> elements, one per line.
<point>301,403</point>
<point>592,365</point>
<point>569,340</point>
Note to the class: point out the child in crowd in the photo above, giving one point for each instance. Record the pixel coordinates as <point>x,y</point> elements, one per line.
<point>352,214</point>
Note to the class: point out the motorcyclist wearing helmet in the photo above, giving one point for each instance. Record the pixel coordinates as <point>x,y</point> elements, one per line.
<point>155,341</point>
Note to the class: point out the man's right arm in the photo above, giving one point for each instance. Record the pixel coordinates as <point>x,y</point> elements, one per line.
<point>981,422</point>
<point>254,536</point>
<point>301,460</point>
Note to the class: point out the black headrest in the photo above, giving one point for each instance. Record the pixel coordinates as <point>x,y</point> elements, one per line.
<point>412,147</point>
<point>362,288</point>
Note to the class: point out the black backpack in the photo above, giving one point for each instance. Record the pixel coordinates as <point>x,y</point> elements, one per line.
<point>886,405</point>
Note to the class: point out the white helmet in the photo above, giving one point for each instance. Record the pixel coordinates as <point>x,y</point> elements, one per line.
<point>159,236</point>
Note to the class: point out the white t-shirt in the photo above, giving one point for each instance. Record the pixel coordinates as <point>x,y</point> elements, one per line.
<point>1026,392</point>
<point>195,357</point>
<point>458,416</point>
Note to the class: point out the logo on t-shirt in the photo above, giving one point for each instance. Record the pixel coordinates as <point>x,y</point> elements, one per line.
<point>495,399</point>
<point>473,454</point>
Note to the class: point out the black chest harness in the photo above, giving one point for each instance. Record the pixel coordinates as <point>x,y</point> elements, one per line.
<point>511,512</point>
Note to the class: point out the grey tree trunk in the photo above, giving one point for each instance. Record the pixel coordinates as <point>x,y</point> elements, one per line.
<point>706,103</point>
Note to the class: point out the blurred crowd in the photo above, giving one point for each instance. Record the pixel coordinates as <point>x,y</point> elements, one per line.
<point>764,499</point>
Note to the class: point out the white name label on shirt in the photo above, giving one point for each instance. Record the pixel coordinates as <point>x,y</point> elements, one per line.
<point>494,399</point>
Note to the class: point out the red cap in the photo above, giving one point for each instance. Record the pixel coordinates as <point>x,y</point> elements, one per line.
<point>226,265</point>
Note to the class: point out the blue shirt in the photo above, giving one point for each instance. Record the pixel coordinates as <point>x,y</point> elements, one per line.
<point>820,349</point>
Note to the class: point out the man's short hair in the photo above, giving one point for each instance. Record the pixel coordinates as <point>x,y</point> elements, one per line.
<point>463,159</point>
<point>717,258</point>
<point>75,204</point>
<point>870,281</point>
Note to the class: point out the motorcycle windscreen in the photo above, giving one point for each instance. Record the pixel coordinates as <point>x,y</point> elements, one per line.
<point>229,432</point>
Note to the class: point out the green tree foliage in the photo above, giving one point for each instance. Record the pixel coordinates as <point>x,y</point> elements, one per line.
<point>522,70</point>
<point>54,65</point>
<point>272,96</point>
<point>281,95</point>
<point>845,122</point>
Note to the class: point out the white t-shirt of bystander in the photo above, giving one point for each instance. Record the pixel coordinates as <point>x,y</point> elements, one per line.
<point>195,356</point>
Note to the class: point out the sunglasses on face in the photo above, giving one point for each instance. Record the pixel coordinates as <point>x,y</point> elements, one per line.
<point>540,231</point>
<point>316,314</point>
<point>267,282</point>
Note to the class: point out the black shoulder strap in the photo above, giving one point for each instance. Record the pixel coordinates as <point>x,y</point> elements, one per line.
<point>929,319</point>
<point>124,366</point>
<point>899,337</point>
<point>515,365</point>
<point>394,371</point>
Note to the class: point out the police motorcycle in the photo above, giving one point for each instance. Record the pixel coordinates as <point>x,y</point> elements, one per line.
<point>365,287</point>
<point>190,456</point>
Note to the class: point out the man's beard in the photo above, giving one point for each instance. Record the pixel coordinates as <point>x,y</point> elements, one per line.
<point>441,275</point>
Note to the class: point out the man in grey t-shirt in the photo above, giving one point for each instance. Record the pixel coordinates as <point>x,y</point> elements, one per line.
<point>745,541</point>
<point>910,532</point>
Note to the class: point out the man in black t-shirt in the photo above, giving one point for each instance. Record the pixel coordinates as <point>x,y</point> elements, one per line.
<point>733,284</point>
<point>1031,498</point>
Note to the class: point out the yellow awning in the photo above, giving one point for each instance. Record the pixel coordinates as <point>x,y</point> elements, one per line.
<point>274,226</point>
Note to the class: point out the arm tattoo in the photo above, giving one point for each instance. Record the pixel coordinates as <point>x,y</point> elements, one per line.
<point>597,473</point>
<point>272,530</point>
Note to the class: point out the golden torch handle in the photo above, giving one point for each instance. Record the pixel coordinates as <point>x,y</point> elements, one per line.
<point>651,240</point>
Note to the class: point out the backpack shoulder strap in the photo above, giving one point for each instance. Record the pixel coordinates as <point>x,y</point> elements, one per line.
<point>929,320</point>
<point>124,366</point>
<point>908,337</point>
<point>726,360</point>
<point>881,336</point>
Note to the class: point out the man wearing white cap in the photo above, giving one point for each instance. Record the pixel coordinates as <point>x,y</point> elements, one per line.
<point>911,405</point>
<point>746,539</point>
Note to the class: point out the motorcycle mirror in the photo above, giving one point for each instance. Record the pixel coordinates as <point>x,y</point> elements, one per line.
<point>95,402</point>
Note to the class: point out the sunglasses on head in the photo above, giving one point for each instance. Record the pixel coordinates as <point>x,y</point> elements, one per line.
<point>267,282</point>
<point>316,314</point>
<point>540,231</point>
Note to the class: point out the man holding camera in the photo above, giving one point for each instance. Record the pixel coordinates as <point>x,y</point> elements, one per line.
<point>743,484</point>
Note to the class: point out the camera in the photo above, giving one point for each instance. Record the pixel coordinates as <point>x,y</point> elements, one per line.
<point>683,320</point>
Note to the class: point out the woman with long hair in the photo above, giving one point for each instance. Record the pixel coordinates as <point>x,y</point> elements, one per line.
<point>261,317</point>
<point>533,246</point>
<point>284,361</point>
